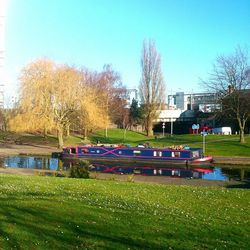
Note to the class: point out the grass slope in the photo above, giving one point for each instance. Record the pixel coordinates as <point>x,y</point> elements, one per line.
<point>216,145</point>
<point>58,213</point>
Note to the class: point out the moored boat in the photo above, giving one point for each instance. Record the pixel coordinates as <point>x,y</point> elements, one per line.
<point>174,155</point>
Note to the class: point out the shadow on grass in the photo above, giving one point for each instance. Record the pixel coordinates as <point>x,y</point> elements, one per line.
<point>36,225</point>
<point>58,218</point>
<point>242,184</point>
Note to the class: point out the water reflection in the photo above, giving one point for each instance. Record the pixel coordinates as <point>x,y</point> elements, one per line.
<point>206,173</point>
<point>182,172</point>
<point>30,162</point>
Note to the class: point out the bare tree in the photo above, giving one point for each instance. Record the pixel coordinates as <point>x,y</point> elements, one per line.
<point>229,79</point>
<point>108,83</point>
<point>152,85</point>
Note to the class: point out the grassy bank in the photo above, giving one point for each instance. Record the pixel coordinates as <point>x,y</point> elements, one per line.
<point>216,145</point>
<point>58,213</point>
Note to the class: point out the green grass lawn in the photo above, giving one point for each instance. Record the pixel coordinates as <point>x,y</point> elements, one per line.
<point>216,145</point>
<point>62,213</point>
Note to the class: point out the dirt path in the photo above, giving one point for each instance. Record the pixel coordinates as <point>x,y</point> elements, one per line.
<point>26,149</point>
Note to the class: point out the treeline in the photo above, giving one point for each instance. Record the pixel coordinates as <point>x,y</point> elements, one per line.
<point>59,98</point>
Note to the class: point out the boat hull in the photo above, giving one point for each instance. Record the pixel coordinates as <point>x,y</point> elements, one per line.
<point>129,160</point>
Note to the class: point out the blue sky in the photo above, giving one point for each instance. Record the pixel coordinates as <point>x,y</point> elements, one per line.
<point>189,34</point>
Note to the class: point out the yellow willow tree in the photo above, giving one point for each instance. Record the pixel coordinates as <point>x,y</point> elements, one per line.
<point>90,115</point>
<point>48,98</point>
<point>34,111</point>
<point>65,98</point>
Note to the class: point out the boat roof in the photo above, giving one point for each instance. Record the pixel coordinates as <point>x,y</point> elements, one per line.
<point>175,148</point>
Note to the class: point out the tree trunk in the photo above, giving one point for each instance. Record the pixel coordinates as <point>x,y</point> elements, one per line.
<point>124,133</point>
<point>242,136</point>
<point>242,128</point>
<point>45,132</point>
<point>150,129</point>
<point>60,137</point>
<point>68,130</point>
<point>149,126</point>
<point>242,174</point>
<point>85,134</point>
<point>106,132</point>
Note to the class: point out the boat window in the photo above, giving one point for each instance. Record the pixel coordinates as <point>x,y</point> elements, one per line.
<point>176,172</point>
<point>176,154</point>
<point>97,151</point>
<point>158,153</point>
<point>84,150</point>
<point>137,171</point>
<point>137,152</point>
<point>195,153</point>
<point>120,152</point>
<point>73,150</point>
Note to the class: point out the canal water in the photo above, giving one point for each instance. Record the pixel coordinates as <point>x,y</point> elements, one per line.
<point>221,173</point>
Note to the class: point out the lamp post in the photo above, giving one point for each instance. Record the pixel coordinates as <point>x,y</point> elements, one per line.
<point>171,126</point>
<point>163,129</point>
<point>204,134</point>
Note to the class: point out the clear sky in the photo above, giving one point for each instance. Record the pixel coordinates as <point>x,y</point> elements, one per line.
<point>189,34</point>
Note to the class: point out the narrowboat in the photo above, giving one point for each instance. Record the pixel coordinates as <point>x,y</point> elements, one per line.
<point>120,153</point>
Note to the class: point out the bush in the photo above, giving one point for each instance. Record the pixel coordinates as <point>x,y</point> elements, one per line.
<point>80,170</point>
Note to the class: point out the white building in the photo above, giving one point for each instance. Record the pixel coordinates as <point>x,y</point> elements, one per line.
<point>205,102</point>
<point>130,95</point>
<point>182,107</point>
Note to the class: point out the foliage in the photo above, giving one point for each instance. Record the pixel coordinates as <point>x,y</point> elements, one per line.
<point>63,213</point>
<point>135,113</point>
<point>60,97</point>
<point>110,94</point>
<point>152,85</point>
<point>79,170</point>
<point>89,114</point>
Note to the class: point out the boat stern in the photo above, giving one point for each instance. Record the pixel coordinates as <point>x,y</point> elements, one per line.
<point>202,161</point>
